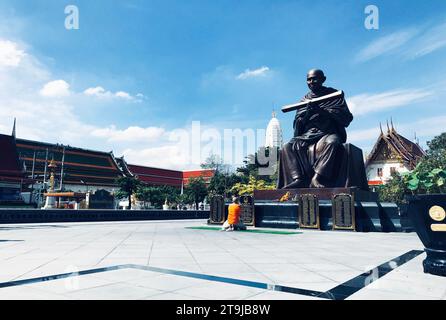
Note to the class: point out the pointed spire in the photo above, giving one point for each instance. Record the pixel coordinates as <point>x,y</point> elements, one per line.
<point>274,113</point>
<point>14,129</point>
<point>388,128</point>
<point>381,128</point>
<point>391,121</point>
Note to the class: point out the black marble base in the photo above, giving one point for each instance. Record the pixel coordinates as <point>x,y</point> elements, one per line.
<point>435,262</point>
<point>18,216</point>
<point>370,216</point>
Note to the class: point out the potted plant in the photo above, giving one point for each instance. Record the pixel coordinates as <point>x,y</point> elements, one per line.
<point>427,210</point>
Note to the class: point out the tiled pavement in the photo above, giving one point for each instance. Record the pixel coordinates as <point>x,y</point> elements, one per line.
<point>153,256</point>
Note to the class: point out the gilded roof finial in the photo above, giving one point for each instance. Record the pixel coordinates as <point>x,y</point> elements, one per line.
<point>381,128</point>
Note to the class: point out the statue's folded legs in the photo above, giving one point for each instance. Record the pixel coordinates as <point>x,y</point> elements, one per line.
<point>316,165</point>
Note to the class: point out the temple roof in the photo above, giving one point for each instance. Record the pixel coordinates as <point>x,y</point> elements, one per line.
<point>393,146</point>
<point>80,166</point>
<point>11,168</point>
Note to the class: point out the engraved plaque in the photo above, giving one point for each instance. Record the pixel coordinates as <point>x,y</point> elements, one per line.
<point>309,212</point>
<point>217,215</point>
<point>343,208</point>
<point>247,210</point>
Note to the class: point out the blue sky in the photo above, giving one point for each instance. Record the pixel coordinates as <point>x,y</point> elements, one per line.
<point>136,71</point>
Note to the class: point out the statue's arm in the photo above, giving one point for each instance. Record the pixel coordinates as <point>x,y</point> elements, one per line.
<point>339,113</point>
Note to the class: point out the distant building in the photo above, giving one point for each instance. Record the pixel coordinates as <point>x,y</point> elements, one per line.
<point>12,173</point>
<point>392,153</point>
<point>274,135</point>
<point>78,170</point>
<point>157,176</point>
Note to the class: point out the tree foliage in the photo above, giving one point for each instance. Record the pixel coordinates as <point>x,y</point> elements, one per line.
<point>127,187</point>
<point>197,190</point>
<point>428,177</point>
<point>254,183</point>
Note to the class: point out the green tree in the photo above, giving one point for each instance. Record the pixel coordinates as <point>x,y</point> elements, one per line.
<point>428,177</point>
<point>214,162</point>
<point>252,185</point>
<point>254,163</point>
<point>437,144</point>
<point>127,187</point>
<point>221,183</point>
<point>196,189</point>
<point>147,194</point>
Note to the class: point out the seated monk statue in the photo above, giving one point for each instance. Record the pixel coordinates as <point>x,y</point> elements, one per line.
<point>312,158</point>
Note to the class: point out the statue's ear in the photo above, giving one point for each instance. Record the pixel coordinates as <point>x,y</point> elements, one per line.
<point>324,79</point>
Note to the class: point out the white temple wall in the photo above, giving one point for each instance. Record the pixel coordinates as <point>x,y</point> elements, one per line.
<point>386,167</point>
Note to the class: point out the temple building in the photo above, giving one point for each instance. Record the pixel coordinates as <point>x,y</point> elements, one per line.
<point>12,172</point>
<point>25,169</point>
<point>391,154</point>
<point>164,177</point>
<point>78,170</point>
<point>274,136</point>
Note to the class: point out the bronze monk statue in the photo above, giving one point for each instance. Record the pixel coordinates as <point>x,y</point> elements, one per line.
<point>313,157</point>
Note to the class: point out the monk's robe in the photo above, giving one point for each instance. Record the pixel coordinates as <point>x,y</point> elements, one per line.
<point>234,214</point>
<point>319,133</point>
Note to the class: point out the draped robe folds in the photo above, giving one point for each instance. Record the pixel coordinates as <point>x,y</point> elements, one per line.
<point>319,133</point>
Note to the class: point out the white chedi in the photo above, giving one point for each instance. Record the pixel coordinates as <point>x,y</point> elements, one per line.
<point>274,136</point>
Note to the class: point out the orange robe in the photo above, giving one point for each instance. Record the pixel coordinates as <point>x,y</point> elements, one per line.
<point>234,213</point>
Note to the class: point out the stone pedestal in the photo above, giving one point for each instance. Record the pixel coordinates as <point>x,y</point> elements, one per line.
<point>50,203</point>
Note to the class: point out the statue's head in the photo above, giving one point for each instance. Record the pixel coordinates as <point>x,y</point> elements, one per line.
<point>315,79</point>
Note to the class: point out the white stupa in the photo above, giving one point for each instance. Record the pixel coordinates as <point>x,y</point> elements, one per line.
<point>274,136</point>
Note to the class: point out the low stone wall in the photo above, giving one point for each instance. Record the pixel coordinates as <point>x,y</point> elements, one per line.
<point>18,216</point>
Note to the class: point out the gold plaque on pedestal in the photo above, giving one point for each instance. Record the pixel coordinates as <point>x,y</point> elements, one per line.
<point>343,210</point>
<point>437,213</point>
<point>309,212</point>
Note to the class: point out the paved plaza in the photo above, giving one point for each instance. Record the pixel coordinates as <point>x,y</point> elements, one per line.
<point>169,261</point>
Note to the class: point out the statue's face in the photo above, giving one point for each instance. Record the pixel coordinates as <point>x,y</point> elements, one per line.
<point>315,80</point>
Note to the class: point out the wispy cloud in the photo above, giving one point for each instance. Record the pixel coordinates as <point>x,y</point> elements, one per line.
<point>431,40</point>
<point>410,43</point>
<point>386,45</point>
<point>260,72</point>
<point>366,103</point>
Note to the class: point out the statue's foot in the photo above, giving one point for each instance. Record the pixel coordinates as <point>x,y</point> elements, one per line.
<point>316,182</point>
<point>296,184</point>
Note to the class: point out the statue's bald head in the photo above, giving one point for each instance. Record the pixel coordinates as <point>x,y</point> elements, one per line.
<point>315,79</point>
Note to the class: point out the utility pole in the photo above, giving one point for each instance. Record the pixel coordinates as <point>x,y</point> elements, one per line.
<point>34,165</point>
<point>46,165</point>
<point>62,169</point>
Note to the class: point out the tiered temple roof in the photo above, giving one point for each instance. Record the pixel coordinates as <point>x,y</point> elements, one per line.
<point>393,146</point>
<point>80,166</point>
<point>11,169</point>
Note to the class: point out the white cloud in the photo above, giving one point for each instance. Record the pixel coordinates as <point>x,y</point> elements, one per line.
<point>260,72</point>
<point>132,134</point>
<point>54,89</point>
<point>101,93</point>
<point>10,54</point>
<point>367,103</point>
<point>167,156</point>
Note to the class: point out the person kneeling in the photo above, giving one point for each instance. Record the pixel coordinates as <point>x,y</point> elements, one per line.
<point>233,223</point>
